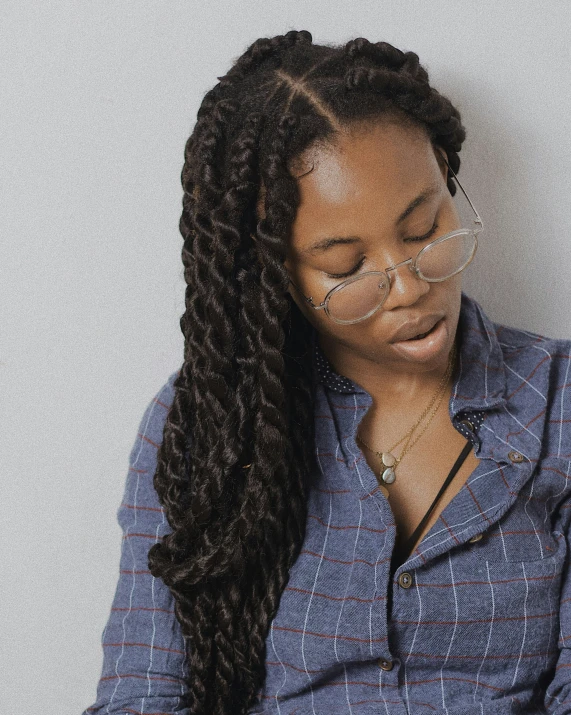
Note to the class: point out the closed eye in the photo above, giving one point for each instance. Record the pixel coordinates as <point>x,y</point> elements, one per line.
<point>361,261</point>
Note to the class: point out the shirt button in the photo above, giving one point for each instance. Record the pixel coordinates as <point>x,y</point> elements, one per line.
<point>385,664</point>
<point>405,580</point>
<point>515,457</point>
<point>475,538</point>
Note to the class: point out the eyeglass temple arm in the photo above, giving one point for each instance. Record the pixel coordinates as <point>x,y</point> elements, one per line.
<point>478,218</point>
<point>306,299</point>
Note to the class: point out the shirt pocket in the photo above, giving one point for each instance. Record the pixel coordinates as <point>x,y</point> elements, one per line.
<point>508,611</point>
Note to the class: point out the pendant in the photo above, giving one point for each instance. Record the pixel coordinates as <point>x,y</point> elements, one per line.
<point>389,459</point>
<point>388,476</point>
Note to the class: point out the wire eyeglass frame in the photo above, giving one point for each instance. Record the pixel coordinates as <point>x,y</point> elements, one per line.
<point>411,262</point>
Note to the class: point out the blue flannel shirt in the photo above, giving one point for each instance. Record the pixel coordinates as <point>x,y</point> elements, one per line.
<point>481,620</point>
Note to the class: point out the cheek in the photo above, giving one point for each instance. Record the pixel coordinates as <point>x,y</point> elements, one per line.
<point>448,291</point>
<point>450,298</point>
<point>455,288</point>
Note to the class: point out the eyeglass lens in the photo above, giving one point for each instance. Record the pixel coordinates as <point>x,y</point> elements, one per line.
<point>361,297</point>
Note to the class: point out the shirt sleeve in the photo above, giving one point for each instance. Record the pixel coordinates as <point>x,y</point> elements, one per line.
<point>143,647</point>
<point>558,692</point>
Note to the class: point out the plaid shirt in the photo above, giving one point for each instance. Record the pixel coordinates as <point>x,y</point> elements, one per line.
<point>476,621</point>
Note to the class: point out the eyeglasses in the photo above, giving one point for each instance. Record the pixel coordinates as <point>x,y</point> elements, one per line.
<point>358,297</point>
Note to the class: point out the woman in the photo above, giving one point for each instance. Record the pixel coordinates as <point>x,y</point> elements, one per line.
<point>354,496</point>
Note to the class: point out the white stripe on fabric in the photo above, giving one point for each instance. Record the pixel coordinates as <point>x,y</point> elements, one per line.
<point>551,586</point>
<point>381,690</point>
<point>182,675</point>
<point>564,481</point>
<point>562,403</point>
<point>524,622</point>
<point>530,496</point>
<point>133,525</point>
<point>506,345</point>
<point>554,682</point>
<point>347,585</point>
<point>488,355</point>
<point>411,649</point>
<point>276,696</point>
<point>526,381</point>
<point>503,540</point>
<point>521,425</point>
<point>486,474</point>
<point>130,544</point>
<point>458,381</point>
<point>152,643</point>
<point>313,591</point>
<point>489,634</point>
<point>453,630</point>
<point>454,526</point>
<point>529,334</point>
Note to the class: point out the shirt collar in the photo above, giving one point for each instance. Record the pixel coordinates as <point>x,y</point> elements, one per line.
<point>480,377</point>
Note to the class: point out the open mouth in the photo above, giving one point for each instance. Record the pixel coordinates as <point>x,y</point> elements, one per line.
<point>423,335</point>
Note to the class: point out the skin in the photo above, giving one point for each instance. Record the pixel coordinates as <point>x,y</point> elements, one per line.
<point>358,185</point>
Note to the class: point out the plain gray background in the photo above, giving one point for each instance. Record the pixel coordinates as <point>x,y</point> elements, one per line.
<point>98,99</point>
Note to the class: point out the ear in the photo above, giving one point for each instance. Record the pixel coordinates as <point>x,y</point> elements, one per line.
<point>442,160</point>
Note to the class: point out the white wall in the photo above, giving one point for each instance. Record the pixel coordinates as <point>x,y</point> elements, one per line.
<point>98,99</point>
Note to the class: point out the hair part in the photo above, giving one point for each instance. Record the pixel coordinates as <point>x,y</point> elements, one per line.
<point>237,458</point>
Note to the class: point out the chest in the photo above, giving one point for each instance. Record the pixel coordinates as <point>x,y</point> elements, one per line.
<point>421,474</point>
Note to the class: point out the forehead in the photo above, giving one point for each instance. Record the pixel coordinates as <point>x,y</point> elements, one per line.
<point>369,172</point>
<point>382,154</point>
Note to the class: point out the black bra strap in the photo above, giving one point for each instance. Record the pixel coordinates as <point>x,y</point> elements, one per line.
<point>414,536</point>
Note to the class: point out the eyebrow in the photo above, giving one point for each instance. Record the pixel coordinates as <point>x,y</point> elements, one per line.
<point>326,243</point>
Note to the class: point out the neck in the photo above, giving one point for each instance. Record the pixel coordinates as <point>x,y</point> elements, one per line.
<point>392,418</point>
<point>403,388</point>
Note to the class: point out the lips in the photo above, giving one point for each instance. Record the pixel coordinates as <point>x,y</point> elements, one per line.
<point>422,335</point>
<point>410,330</point>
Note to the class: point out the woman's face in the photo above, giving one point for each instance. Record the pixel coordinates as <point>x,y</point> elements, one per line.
<point>358,188</point>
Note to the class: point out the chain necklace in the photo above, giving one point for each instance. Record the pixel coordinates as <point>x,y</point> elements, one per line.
<point>388,459</point>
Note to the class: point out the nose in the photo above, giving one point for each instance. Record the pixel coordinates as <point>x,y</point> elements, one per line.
<point>405,286</point>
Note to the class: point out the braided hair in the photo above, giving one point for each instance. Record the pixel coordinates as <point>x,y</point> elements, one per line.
<point>237,457</point>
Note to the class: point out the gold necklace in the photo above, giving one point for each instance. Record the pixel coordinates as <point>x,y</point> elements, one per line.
<point>388,459</point>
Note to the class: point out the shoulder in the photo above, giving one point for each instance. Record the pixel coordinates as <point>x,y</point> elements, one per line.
<point>524,375</point>
<point>537,374</point>
<point>512,361</point>
<point>515,343</point>
<point>154,417</point>
<point>532,351</point>
<point>139,492</point>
